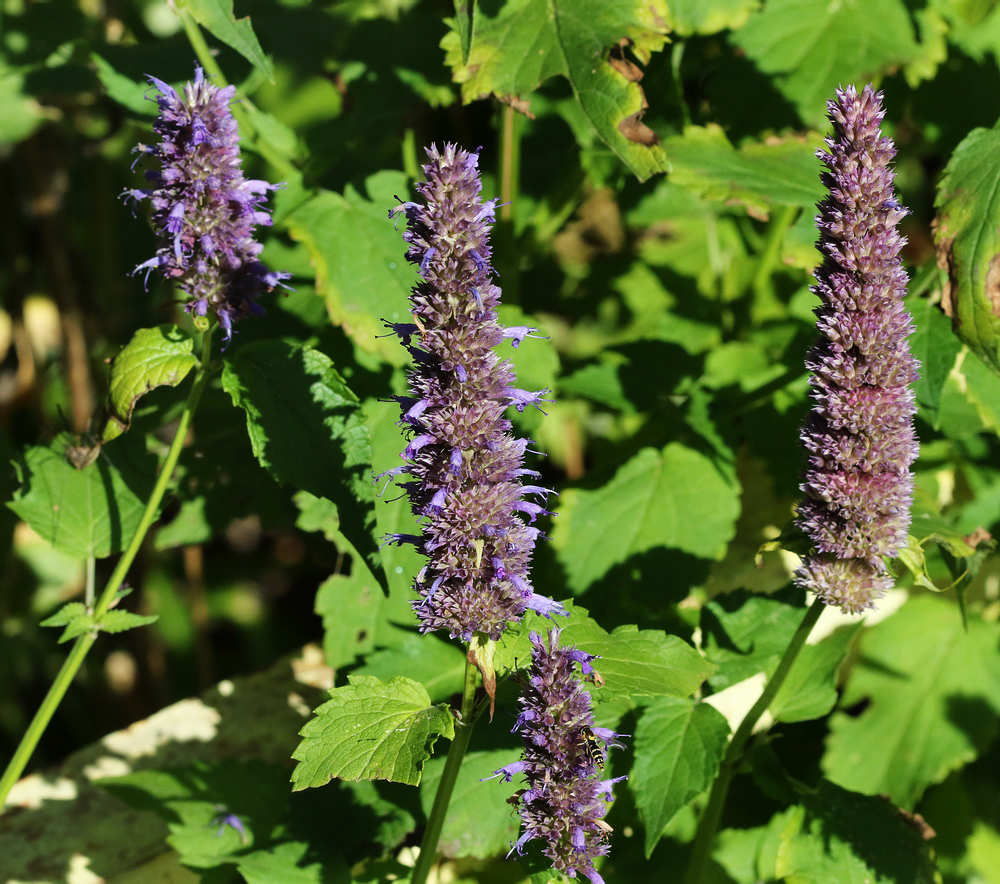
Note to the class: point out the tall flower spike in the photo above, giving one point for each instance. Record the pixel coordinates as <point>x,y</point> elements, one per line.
<point>204,210</point>
<point>465,465</point>
<point>859,435</point>
<point>565,801</point>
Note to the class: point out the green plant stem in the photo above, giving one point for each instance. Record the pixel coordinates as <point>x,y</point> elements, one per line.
<point>452,765</point>
<point>510,161</point>
<point>199,44</point>
<point>709,822</point>
<point>25,749</point>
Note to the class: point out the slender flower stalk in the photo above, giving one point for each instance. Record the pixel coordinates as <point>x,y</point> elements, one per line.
<point>565,800</point>
<point>465,466</point>
<point>204,210</point>
<point>859,435</point>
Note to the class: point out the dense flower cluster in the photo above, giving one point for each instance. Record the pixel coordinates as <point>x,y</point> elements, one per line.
<point>204,210</point>
<point>465,465</point>
<point>859,435</point>
<point>565,801</point>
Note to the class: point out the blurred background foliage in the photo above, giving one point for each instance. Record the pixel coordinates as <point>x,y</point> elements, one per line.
<point>668,269</point>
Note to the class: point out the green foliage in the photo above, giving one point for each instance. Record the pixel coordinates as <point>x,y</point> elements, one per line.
<point>525,42</point>
<point>678,747</point>
<point>92,511</point>
<point>932,692</point>
<point>154,357</point>
<point>658,233</point>
<point>371,730</point>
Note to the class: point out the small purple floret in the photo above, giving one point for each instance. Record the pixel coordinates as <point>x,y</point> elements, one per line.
<point>859,436</point>
<point>204,210</point>
<point>564,801</point>
<point>465,464</point>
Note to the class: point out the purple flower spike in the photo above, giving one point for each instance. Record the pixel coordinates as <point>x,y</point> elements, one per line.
<point>465,464</point>
<point>204,210</point>
<point>565,799</point>
<point>859,436</point>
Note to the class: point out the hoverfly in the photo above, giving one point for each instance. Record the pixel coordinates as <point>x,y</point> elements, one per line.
<point>592,746</point>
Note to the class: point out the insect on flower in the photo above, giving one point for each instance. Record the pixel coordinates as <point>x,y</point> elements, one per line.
<point>592,747</point>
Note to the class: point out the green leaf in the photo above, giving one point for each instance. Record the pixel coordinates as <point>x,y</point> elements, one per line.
<point>933,702</point>
<point>371,730</point>
<point>633,662</point>
<point>836,835</point>
<point>810,690</point>
<point>89,512</point>
<point>812,46</point>
<point>675,498</point>
<point>292,862</point>
<point>79,621</point>
<point>306,429</point>
<point>480,823</point>
<point>687,17</point>
<point>120,621</point>
<point>360,260</point>
<point>967,240</point>
<point>522,43</point>
<point>127,92</point>
<point>216,17</point>
<point>679,745</point>
<point>757,176</point>
<point>155,357</point>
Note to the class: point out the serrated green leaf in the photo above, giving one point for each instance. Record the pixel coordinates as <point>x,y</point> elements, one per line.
<point>674,498</point>
<point>757,176</point>
<point>120,621</point>
<point>679,745</point>
<point>292,862</point>
<point>518,46</point>
<point>67,613</point>
<point>933,692</point>
<point>836,835</point>
<point>633,662</point>
<point>360,260</point>
<point>306,429</point>
<point>216,17</point>
<point>89,512</point>
<point>126,91</point>
<point>812,46</point>
<point>480,823</point>
<point>371,730</point>
<point>967,239</point>
<point>155,357</point>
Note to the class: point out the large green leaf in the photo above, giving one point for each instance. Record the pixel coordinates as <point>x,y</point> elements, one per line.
<point>360,260</point>
<point>93,511</point>
<point>371,730</point>
<point>518,45</point>
<point>812,46</point>
<point>967,238</point>
<point>679,745</point>
<point>675,498</point>
<point>933,702</point>
<point>836,835</point>
<point>306,429</point>
<point>758,176</point>
<point>937,348</point>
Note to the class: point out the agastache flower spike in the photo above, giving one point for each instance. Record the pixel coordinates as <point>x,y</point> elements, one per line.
<point>204,210</point>
<point>465,465</point>
<point>859,436</point>
<point>565,800</point>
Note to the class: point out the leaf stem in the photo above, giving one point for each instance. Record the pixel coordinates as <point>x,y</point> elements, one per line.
<point>709,822</point>
<point>456,754</point>
<point>25,749</point>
